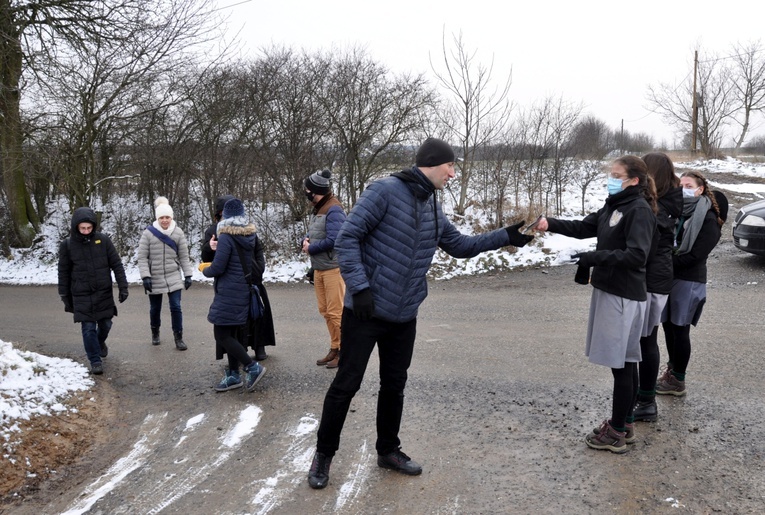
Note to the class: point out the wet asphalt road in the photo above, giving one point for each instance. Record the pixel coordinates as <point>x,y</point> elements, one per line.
<point>499,399</point>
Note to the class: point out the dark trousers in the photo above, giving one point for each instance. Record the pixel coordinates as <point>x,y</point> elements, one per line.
<point>94,336</point>
<point>227,337</point>
<point>395,345</point>
<point>155,308</point>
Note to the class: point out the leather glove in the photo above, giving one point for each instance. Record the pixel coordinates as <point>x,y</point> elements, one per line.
<point>204,265</point>
<point>147,284</point>
<point>68,308</point>
<point>363,304</point>
<point>585,259</point>
<point>187,282</point>
<point>124,294</point>
<point>516,238</point>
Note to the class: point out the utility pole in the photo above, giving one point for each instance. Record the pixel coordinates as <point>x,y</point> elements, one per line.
<point>695,109</point>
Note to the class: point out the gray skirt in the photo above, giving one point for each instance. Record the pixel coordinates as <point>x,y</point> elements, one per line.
<point>686,302</point>
<point>614,329</point>
<point>654,312</point>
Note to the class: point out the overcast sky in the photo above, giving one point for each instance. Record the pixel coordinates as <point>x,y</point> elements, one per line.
<point>602,53</point>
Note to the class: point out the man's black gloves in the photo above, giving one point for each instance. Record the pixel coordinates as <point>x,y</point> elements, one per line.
<point>67,304</point>
<point>124,294</point>
<point>516,238</point>
<point>147,284</point>
<point>363,304</point>
<point>187,282</point>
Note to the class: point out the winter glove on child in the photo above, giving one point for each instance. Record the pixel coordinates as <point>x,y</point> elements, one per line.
<point>147,284</point>
<point>187,282</point>
<point>204,265</point>
<point>516,238</point>
<point>67,304</point>
<point>124,294</point>
<point>363,304</point>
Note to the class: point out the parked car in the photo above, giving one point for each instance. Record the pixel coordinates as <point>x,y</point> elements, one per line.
<point>749,228</point>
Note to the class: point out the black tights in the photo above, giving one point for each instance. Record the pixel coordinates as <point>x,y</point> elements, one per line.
<point>227,337</point>
<point>678,345</point>
<point>625,393</point>
<point>649,367</point>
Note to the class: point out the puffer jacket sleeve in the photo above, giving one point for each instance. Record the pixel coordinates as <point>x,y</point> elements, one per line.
<point>143,254</point>
<point>64,270</point>
<point>363,218</point>
<point>183,255</point>
<point>461,245</point>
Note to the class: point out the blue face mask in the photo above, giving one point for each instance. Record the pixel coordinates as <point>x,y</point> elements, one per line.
<point>689,192</point>
<point>614,185</point>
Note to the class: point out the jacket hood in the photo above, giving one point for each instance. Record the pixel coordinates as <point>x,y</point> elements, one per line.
<point>672,202</point>
<point>81,215</point>
<point>238,230</point>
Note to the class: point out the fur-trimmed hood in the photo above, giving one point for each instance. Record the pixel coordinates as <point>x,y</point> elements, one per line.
<point>237,230</point>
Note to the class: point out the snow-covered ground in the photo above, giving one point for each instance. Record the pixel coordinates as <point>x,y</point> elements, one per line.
<point>27,390</point>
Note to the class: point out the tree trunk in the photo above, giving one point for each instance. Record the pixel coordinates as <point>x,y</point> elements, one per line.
<point>22,212</point>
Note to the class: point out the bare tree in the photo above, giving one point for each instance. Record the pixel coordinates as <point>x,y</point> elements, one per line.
<point>476,110</point>
<point>749,83</point>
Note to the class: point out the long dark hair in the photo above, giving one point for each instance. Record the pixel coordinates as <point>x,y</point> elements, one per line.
<point>661,169</point>
<point>636,167</point>
<point>702,181</point>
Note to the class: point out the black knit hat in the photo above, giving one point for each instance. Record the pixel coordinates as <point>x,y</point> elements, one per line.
<point>318,182</point>
<point>434,152</point>
<point>232,208</point>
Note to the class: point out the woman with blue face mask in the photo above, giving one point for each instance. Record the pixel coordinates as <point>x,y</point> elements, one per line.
<point>696,234</point>
<point>625,228</point>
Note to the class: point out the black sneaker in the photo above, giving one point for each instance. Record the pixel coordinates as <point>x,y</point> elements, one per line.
<point>104,350</point>
<point>318,475</point>
<point>400,462</point>
<point>96,368</point>
<point>646,411</point>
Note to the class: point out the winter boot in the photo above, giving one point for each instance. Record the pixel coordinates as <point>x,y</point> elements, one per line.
<point>332,354</point>
<point>155,335</point>
<point>335,361</point>
<point>260,353</point>
<point>179,340</point>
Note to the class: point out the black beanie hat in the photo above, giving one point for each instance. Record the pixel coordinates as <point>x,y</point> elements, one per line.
<point>434,152</point>
<point>318,182</point>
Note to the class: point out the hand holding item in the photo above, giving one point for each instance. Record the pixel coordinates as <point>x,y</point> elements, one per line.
<point>516,238</point>
<point>203,265</point>
<point>187,282</point>
<point>147,284</point>
<point>363,304</point>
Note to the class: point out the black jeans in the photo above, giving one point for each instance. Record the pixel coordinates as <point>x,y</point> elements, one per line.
<point>395,345</point>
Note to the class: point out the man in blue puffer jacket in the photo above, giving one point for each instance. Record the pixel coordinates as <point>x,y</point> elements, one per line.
<point>385,248</point>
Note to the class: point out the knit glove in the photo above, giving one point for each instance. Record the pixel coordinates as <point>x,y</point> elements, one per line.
<point>363,304</point>
<point>67,304</point>
<point>147,284</point>
<point>516,238</point>
<point>187,282</point>
<point>124,294</point>
<point>585,259</point>
<point>204,265</point>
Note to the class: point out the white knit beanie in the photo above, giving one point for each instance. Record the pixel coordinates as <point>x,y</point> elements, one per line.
<point>162,207</point>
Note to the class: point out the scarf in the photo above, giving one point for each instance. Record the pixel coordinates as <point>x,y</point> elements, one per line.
<point>694,211</point>
<point>166,232</point>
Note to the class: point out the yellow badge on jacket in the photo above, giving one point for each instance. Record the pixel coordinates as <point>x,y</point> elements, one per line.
<point>98,241</point>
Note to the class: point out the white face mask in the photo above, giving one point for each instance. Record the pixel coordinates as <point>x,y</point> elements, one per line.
<point>689,192</point>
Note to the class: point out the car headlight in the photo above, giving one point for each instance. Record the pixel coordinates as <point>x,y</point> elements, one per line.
<point>752,221</point>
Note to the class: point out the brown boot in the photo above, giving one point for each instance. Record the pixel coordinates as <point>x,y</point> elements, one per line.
<point>332,354</point>
<point>334,362</point>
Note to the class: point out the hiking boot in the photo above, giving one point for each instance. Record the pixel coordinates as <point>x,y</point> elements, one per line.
<point>666,371</point>
<point>230,381</point>
<point>332,354</point>
<point>179,344</point>
<point>607,438</point>
<point>104,350</point>
<point>155,335</point>
<point>335,362</point>
<point>645,411</point>
<point>671,386</point>
<point>97,368</point>
<point>400,462</point>
<point>260,353</point>
<point>254,373</point>
<point>629,435</point>
<point>318,474</point>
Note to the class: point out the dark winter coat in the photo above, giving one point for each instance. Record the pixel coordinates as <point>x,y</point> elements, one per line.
<point>388,241</point>
<point>230,306</point>
<point>207,253</point>
<point>692,266</point>
<point>85,266</point>
<point>659,270</point>
<point>625,230</point>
